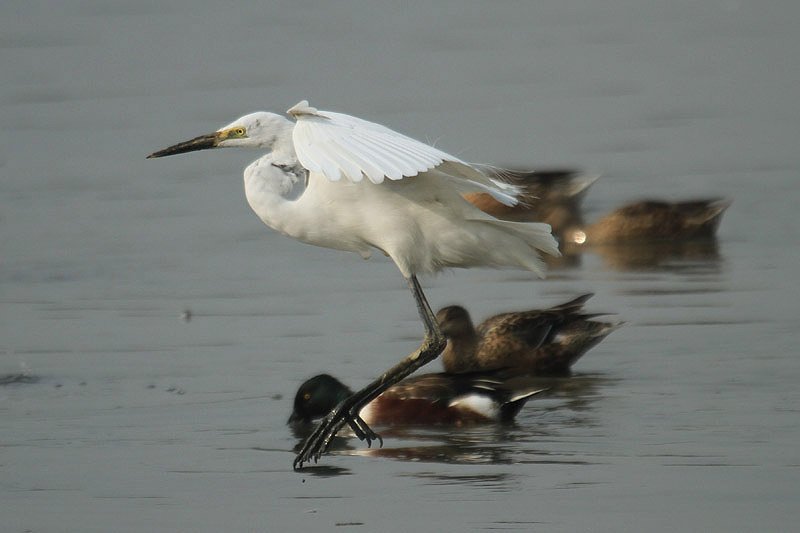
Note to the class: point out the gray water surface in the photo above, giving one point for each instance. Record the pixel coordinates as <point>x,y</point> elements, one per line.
<point>119,414</point>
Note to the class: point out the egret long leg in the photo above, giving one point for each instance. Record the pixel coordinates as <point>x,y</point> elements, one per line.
<point>347,411</point>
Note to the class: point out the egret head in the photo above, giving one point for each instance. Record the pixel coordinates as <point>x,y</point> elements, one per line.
<point>259,130</point>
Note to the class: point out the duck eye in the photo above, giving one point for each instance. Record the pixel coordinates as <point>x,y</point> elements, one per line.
<point>307,396</point>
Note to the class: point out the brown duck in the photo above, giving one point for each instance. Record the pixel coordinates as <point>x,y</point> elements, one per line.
<point>544,342</point>
<point>653,221</point>
<point>551,196</point>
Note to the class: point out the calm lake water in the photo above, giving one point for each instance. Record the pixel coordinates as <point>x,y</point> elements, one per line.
<point>117,414</point>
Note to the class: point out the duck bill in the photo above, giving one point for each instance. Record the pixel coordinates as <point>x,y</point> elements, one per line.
<point>203,142</point>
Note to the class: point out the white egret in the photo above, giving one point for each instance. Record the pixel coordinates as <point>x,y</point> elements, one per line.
<point>324,182</point>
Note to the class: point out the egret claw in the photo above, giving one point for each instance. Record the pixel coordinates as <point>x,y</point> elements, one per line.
<point>320,440</point>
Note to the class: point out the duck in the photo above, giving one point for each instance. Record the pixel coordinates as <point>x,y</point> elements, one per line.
<point>541,342</point>
<point>428,399</point>
<point>649,221</point>
<point>551,196</point>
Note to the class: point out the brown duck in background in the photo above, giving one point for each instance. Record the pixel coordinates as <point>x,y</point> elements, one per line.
<point>653,221</point>
<point>551,196</point>
<point>638,235</point>
<point>544,342</point>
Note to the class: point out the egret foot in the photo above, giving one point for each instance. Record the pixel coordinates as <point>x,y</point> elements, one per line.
<point>347,412</point>
<point>320,440</point>
<point>362,430</point>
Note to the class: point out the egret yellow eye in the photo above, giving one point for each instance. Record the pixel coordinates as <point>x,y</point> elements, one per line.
<point>234,133</point>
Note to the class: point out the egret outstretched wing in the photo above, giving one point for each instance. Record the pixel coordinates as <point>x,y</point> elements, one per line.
<point>335,144</point>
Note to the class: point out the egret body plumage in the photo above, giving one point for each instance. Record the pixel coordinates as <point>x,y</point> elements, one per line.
<point>337,181</point>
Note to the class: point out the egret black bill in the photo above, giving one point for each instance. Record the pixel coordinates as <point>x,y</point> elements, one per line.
<point>198,143</point>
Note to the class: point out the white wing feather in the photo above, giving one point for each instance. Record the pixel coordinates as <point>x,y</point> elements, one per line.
<point>335,144</point>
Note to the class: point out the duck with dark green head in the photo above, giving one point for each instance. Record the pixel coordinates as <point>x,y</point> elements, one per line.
<point>428,399</point>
